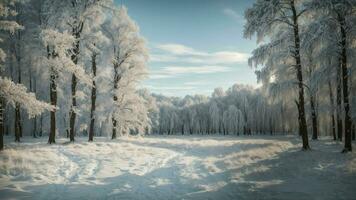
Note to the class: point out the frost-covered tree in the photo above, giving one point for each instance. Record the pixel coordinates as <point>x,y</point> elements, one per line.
<point>339,17</point>
<point>234,120</point>
<point>129,56</point>
<point>279,21</point>
<point>214,117</point>
<point>10,92</point>
<point>95,43</point>
<point>59,64</point>
<point>72,16</point>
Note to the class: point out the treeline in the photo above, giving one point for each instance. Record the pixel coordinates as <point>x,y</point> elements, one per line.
<point>81,60</point>
<point>240,110</point>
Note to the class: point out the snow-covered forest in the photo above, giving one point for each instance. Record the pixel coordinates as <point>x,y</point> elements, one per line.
<point>71,75</point>
<point>71,68</point>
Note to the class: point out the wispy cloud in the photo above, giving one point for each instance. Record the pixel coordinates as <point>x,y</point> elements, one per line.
<point>178,49</point>
<point>180,53</point>
<point>159,88</point>
<point>172,71</point>
<point>194,69</point>
<point>233,14</point>
<point>174,90</point>
<point>195,83</point>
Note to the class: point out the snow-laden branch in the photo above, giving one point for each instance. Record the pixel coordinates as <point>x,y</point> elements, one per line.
<point>17,94</point>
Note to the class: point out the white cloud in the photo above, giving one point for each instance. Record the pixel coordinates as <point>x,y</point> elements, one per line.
<point>182,60</point>
<point>233,14</point>
<point>163,88</point>
<point>180,53</point>
<point>178,49</point>
<point>229,57</point>
<point>154,75</point>
<point>163,58</point>
<point>173,71</point>
<point>194,69</point>
<point>195,83</point>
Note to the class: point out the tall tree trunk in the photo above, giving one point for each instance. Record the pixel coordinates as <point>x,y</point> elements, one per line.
<point>303,131</point>
<point>34,130</point>
<point>18,126</point>
<point>41,125</point>
<point>338,102</point>
<point>33,89</point>
<point>76,33</point>
<point>72,109</point>
<point>53,99</point>
<point>93,99</point>
<point>332,116</point>
<point>114,123</point>
<point>17,53</point>
<point>345,76</point>
<point>314,117</point>
<point>17,123</point>
<point>117,78</point>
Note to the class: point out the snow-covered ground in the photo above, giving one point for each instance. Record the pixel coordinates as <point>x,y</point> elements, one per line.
<point>177,168</point>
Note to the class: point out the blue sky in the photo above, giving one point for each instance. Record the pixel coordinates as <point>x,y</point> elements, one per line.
<point>195,45</point>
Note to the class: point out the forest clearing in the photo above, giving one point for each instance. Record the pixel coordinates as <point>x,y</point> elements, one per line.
<point>177,167</point>
<point>167,99</point>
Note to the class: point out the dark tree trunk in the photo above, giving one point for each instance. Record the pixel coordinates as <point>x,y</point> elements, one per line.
<point>345,76</point>
<point>114,122</point>
<point>303,131</point>
<point>314,118</point>
<point>76,33</point>
<point>33,89</point>
<point>72,111</point>
<point>114,127</point>
<point>353,131</point>
<point>34,130</point>
<point>18,126</point>
<point>338,103</point>
<point>93,99</point>
<point>53,99</point>
<point>41,125</point>
<point>117,78</point>
<point>17,123</point>
<point>332,116</point>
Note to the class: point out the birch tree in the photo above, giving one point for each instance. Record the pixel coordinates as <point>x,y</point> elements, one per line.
<point>279,20</point>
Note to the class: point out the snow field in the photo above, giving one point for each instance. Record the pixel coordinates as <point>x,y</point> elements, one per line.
<point>176,167</point>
